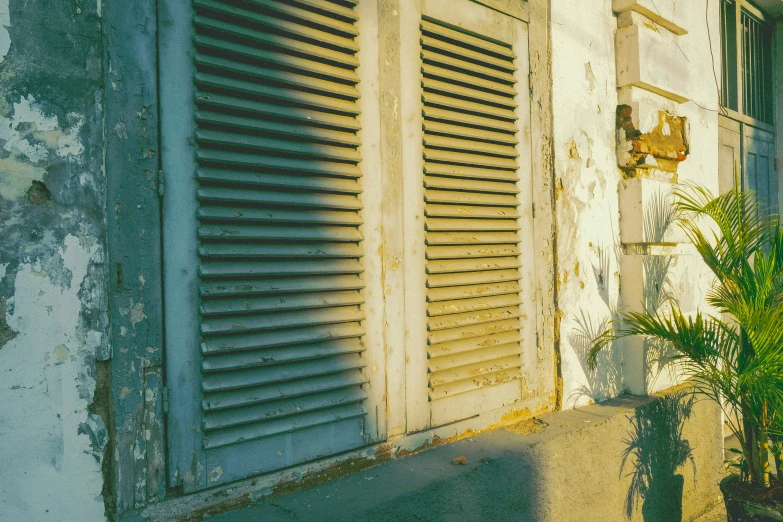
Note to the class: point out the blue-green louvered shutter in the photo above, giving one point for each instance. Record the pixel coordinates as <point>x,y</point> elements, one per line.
<point>279,239</point>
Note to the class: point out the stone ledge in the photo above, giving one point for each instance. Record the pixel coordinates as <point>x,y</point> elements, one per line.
<point>662,12</point>
<point>568,471</point>
<point>646,106</point>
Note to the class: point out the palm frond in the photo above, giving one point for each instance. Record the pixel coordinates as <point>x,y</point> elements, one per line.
<point>735,358</point>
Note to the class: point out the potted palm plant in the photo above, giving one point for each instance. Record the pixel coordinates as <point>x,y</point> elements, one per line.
<point>733,356</point>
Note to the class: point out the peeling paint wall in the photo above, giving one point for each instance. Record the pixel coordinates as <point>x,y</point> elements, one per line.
<point>586,181</point>
<point>585,65</point>
<point>53,307</point>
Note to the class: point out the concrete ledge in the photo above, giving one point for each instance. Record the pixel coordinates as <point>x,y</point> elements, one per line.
<point>662,12</point>
<point>570,470</point>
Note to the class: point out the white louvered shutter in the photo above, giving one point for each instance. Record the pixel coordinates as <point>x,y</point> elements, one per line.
<point>472,221</point>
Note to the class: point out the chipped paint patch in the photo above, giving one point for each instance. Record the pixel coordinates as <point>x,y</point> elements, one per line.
<point>68,144</point>
<point>215,474</point>
<point>16,176</point>
<point>6,333</point>
<point>31,139</point>
<point>46,391</point>
<point>662,148</point>
<point>21,130</point>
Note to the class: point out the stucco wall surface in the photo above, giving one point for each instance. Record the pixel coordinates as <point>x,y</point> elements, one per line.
<point>688,277</point>
<point>53,319</point>
<point>587,178</point>
<point>584,98</point>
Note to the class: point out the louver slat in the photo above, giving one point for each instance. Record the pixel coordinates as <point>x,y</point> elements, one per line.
<point>275,127</point>
<point>303,199</point>
<point>457,360</point>
<point>266,144</point>
<point>311,251</point>
<point>243,13</point>
<point>469,145</point>
<point>467,251</point>
<point>465,66</point>
<point>459,171</point>
<point>472,211</point>
<point>274,356</point>
<point>261,233</point>
<point>280,215</point>
<point>283,408</point>
<point>224,79</point>
<point>472,94</point>
<point>471,305</point>
<point>273,339</point>
<point>433,128</point>
<point>274,113</point>
<point>278,285</point>
<point>302,65</point>
<point>271,427</point>
<point>325,217</point>
<point>258,37</point>
<point>442,266</point>
<point>228,177</point>
<point>450,293</point>
<point>466,80</point>
<point>230,399</point>
<point>468,42</point>
<point>464,211</point>
<point>281,373</point>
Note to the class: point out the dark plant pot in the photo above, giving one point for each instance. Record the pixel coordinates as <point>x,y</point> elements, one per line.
<point>741,509</point>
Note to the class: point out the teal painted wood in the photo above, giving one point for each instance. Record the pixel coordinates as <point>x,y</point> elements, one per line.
<point>759,166</point>
<point>187,457</point>
<point>261,234</point>
<point>134,253</point>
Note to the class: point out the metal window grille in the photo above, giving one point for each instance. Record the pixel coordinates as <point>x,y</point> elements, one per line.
<point>746,61</point>
<point>757,68</point>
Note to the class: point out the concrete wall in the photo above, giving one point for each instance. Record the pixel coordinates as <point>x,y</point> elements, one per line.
<point>654,458</point>
<point>53,308</point>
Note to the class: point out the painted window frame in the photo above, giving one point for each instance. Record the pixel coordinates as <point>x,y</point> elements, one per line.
<point>733,117</point>
<point>733,75</point>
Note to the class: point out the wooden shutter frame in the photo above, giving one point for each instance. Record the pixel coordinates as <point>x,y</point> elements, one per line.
<point>419,415</point>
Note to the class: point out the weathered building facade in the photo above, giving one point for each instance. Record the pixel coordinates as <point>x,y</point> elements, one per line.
<point>247,241</point>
